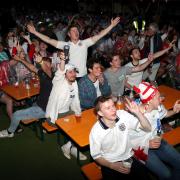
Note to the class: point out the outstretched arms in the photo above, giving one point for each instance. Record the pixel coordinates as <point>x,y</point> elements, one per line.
<point>114,22</point>
<point>43,37</point>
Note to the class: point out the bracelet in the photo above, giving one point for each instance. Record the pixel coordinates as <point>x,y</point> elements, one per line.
<point>41,62</point>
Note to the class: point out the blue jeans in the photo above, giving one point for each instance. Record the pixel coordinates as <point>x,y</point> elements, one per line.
<point>158,159</point>
<point>29,113</point>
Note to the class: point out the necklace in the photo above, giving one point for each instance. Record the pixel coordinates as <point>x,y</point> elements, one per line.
<point>135,64</point>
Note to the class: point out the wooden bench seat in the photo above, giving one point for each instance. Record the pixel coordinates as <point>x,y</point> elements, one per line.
<point>173,136</point>
<point>48,128</point>
<point>28,121</point>
<point>92,171</point>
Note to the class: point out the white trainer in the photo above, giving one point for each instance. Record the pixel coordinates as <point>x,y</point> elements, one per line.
<point>66,151</point>
<point>82,157</point>
<point>4,134</point>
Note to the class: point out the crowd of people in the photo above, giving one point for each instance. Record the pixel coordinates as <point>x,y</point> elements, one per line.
<point>85,62</point>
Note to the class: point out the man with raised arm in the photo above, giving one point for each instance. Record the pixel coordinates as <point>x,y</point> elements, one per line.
<point>78,48</point>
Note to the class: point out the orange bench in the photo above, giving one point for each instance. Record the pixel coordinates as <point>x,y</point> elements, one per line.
<point>28,121</point>
<point>173,136</point>
<point>92,171</point>
<point>49,129</point>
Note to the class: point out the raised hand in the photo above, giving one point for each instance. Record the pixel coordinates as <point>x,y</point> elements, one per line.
<point>115,21</point>
<point>171,44</point>
<point>38,58</point>
<point>176,107</point>
<point>31,28</point>
<point>17,58</point>
<point>62,56</point>
<point>132,106</point>
<point>150,57</point>
<point>101,79</point>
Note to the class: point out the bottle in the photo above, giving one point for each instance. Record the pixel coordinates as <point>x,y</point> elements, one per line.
<point>27,85</point>
<point>131,94</point>
<point>159,127</point>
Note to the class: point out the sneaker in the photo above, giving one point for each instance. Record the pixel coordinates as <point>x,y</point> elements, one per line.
<point>19,130</point>
<point>4,134</point>
<point>82,157</point>
<point>66,151</point>
<point>44,131</point>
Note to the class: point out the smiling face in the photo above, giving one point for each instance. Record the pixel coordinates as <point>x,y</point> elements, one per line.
<point>107,110</point>
<point>96,70</point>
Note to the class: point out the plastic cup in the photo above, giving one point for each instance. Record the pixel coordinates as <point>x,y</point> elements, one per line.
<point>78,118</point>
<point>120,105</point>
<point>127,163</point>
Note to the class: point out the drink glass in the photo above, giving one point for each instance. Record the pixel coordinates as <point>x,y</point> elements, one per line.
<point>78,118</point>
<point>120,103</point>
<point>127,163</point>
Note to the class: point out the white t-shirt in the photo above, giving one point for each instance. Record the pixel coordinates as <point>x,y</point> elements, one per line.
<point>113,144</point>
<point>65,108</point>
<point>78,54</point>
<point>135,78</point>
<point>96,85</point>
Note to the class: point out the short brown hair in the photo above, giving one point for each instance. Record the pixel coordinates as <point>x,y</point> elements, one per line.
<point>99,101</point>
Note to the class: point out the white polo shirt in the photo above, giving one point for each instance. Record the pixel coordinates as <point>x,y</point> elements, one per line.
<point>113,144</point>
<point>78,54</point>
<point>135,78</point>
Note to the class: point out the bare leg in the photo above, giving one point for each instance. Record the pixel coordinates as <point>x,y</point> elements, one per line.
<point>9,104</point>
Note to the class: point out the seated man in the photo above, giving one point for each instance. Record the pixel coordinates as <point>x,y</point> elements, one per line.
<point>64,99</point>
<point>160,155</point>
<point>92,85</point>
<point>109,139</point>
<point>38,110</point>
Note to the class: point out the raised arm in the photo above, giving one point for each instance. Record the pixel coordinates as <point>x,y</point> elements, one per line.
<point>63,60</point>
<point>46,66</point>
<point>160,53</point>
<point>27,64</point>
<point>114,22</point>
<point>144,65</point>
<point>176,109</point>
<point>135,109</point>
<point>43,37</point>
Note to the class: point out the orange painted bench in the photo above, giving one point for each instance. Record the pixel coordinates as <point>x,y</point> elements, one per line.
<point>173,136</point>
<point>48,128</point>
<point>92,171</point>
<point>28,121</point>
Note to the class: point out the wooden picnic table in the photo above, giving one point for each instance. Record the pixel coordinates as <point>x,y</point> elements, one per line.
<point>20,92</point>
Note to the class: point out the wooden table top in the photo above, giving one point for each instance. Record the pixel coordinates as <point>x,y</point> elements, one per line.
<point>171,95</point>
<point>78,130</point>
<point>20,92</point>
